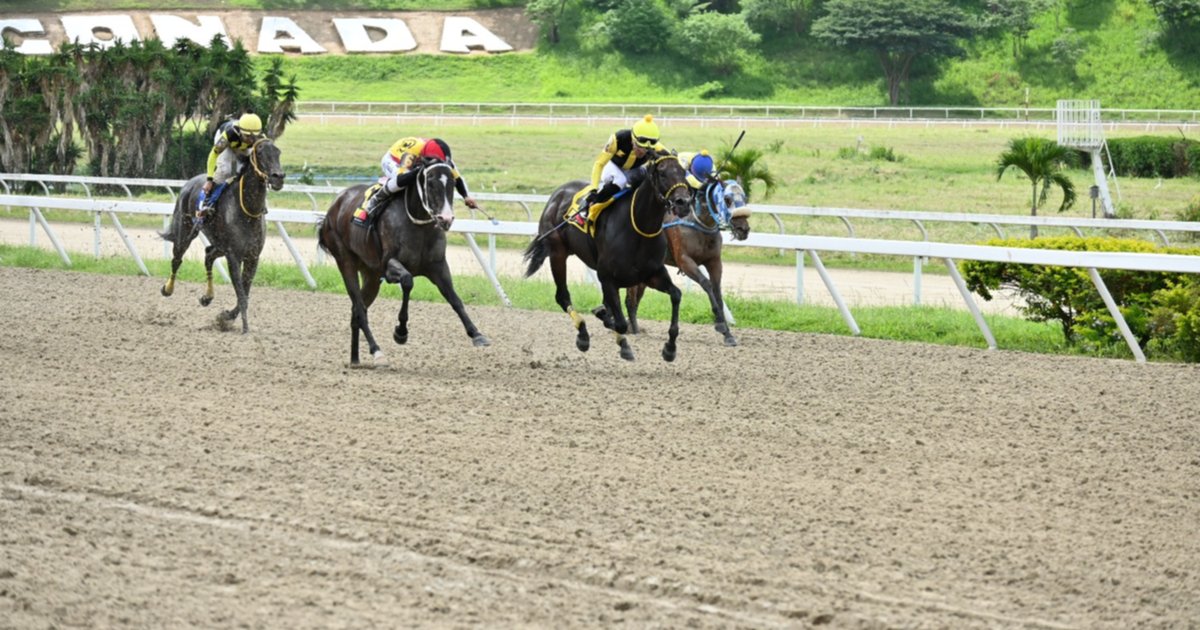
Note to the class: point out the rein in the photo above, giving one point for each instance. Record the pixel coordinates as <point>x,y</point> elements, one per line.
<point>242,181</point>
<point>706,202</point>
<point>664,196</point>
<point>422,176</point>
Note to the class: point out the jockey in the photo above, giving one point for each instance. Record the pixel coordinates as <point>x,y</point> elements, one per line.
<point>700,168</point>
<point>398,170</point>
<point>234,140</point>
<point>621,163</point>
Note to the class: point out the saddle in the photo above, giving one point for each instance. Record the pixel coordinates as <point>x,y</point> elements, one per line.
<point>594,210</point>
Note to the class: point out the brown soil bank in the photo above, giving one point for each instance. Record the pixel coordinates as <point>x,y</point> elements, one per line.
<point>156,471</point>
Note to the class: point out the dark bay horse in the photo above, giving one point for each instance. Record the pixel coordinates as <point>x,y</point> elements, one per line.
<point>406,239</point>
<point>695,241</point>
<point>628,247</point>
<point>235,227</point>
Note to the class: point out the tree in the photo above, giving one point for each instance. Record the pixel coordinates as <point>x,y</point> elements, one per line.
<point>896,31</point>
<point>715,41</point>
<point>548,14</point>
<point>774,16</point>
<point>1177,12</point>
<point>1042,161</point>
<point>1013,17</point>
<point>746,166</point>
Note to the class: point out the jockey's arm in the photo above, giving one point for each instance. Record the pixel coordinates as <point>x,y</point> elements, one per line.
<point>606,155</point>
<point>221,144</point>
<point>460,184</point>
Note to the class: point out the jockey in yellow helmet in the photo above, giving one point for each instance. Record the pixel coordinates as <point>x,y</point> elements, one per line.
<point>622,160</point>
<point>233,140</point>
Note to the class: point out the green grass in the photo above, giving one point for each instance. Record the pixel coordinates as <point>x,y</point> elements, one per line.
<point>942,326</point>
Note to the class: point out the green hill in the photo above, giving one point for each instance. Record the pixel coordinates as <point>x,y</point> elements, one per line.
<point>1112,50</point>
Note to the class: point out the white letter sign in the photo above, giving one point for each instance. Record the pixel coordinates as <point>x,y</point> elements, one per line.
<point>357,38</point>
<point>26,27</point>
<point>102,30</point>
<point>280,34</point>
<point>460,34</point>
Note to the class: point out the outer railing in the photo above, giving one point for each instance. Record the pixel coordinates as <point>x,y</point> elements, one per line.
<point>802,245</point>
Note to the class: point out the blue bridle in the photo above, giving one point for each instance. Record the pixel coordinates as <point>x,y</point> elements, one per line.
<point>713,204</point>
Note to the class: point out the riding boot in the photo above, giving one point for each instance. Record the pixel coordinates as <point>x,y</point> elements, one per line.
<point>581,212</point>
<point>378,201</point>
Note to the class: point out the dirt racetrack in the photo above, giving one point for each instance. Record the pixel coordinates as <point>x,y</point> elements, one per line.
<point>156,471</point>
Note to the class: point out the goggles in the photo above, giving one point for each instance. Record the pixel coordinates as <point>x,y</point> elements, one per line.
<point>645,142</point>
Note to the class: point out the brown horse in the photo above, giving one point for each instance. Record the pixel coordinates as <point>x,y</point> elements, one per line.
<point>407,238</point>
<point>628,247</point>
<point>235,228</point>
<point>695,241</point>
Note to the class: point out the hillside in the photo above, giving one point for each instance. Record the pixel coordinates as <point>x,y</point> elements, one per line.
<point>1112,50</point>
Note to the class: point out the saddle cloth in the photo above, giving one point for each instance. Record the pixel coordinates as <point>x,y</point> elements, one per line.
<point>594,210</point>
<point>360,213</point>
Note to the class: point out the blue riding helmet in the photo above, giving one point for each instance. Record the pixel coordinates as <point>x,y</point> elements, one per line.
<point>701,166</point>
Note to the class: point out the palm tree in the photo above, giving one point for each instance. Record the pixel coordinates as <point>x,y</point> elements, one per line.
<point>746,166</point>
<point>1042,161</point>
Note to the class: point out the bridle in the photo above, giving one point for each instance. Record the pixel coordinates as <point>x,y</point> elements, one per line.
<point>664,197</point>
<point>258,172</point>
<point>422,177</point>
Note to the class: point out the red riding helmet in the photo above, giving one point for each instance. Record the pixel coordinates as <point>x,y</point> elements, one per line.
<point>436,149</point>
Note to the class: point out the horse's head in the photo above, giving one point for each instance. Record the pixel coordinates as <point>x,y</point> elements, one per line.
<point>264,159</point>
<point>435,186</point>
<point>670,182</point>
<point>734,199</point>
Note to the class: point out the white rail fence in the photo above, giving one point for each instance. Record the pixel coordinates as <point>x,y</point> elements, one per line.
<point>919,251</point>
<point>778,115</point>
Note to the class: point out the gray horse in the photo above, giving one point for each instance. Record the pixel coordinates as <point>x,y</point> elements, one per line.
<point>236,228</point>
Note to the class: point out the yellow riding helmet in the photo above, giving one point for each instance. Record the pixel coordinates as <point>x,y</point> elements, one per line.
<point>645,132</point>
<point>250,122</point>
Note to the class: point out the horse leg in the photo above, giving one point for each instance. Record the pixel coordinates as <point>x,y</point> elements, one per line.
<point>558,269</point>
<point>249,267</point>
<point>633,297</point>
<point>360,299</point>
<point>715,269</point>
<point>445,284</point>
<point>610,313</point>
<point>180,246</point>
<point>662,282</point>
<point>210,255</point>
<point>397,274</point>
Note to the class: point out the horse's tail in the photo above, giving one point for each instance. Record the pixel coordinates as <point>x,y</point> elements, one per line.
<point>535,254</point>
<point>321,233</point>
<point>169,233</point>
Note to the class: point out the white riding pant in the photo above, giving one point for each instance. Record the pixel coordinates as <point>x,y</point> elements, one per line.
<point>227,167</point>
<point>615,174</point>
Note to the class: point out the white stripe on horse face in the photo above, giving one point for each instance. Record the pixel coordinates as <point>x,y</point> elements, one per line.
<point>447,209</point>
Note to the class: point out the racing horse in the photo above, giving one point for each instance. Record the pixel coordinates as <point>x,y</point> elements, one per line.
<point>627,247</point>
<point>406,238</point>
<point>695,241</point>
<point>235,228</point>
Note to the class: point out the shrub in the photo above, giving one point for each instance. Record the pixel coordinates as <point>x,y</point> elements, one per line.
<point>1154,156</point>
<point>1174,321</point>
<point>1067,295</point>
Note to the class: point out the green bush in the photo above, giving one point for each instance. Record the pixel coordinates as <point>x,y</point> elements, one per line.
<point>1154,156</point>
<point>1175,320</point>
<point>1067,295</point>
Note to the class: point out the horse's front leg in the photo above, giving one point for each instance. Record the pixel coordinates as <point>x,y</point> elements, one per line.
<point>442,280</point>
<point>715,270</point>
<point>237,280</point>
<point>397,274</point>
<point>661,281</point>
<point>211,254</point>
<point>633,297</point>
<point>610,313</point>
<point>558,269</point>
<point>249,268</point>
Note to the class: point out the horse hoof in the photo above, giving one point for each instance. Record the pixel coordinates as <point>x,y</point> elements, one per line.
<point>480,341</point>
<point>583,343</point>
<point>165,292</point>
<point>668,353</point>
<point>730,341</point>
<point>400,337</point>
<point>627,354</point>
<point>205,300</point>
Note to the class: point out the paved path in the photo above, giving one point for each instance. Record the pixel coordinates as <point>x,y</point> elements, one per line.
<point>857,288</point>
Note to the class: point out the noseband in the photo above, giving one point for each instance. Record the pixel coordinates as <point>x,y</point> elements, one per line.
<point>664,197</point>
